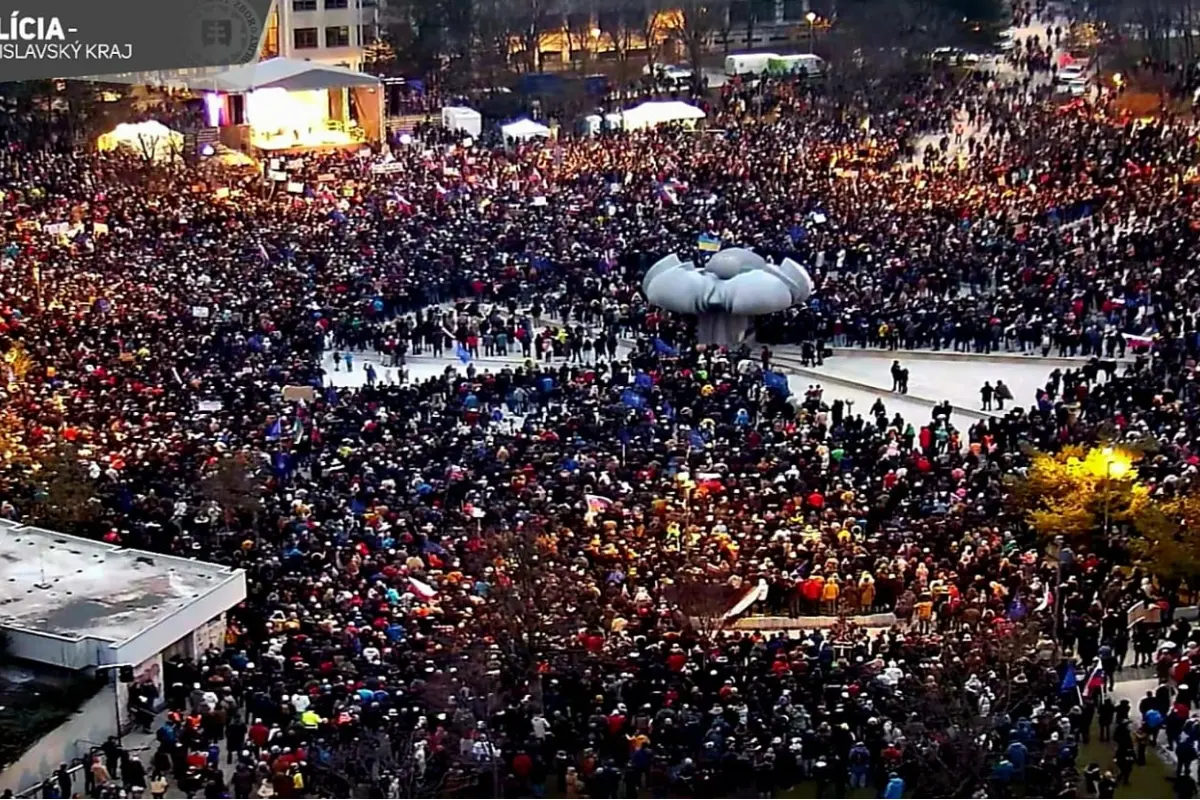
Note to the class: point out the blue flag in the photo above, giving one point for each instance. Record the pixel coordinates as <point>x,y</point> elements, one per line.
<point>776,381</point>
<point>281,462</point>
<point>696,440</point>
<point>1069,681</point>
<point>664,349</point>
<point>463,354</point>
<point>275,429</point>
<point>632,399</point>
<point>623,435</point>
<point>331,395</point>
<point>668,411</point>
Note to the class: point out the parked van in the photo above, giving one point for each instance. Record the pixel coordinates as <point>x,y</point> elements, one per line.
<point>748,63</point>
<point>788,65</point>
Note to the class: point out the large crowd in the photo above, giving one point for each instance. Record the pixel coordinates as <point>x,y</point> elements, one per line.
<point>514,580</point>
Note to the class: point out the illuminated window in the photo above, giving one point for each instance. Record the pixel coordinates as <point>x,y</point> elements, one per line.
<point>305,38</point>
<point>337,36</point>
<point>270,48</point>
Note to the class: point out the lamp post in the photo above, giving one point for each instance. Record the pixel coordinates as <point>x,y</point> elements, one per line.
<point>812,20</point>
<point>1113,468</point>
<point>1056,597</point>
<point>124,675</point>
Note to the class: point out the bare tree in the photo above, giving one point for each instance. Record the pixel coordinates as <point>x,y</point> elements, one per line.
<point>233,486</point>
<point>583,36</point>
<point>693,23</point>
<point>532,19</point>
<point>653,27</point>
<point>703,602</point>
<point>619,23</point>
<point>952,712</point>
<point>65,499</point>
<point>495,28</point>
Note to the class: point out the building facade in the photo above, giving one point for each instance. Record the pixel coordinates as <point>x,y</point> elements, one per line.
<point>336,32</point>
<point>81,606</point>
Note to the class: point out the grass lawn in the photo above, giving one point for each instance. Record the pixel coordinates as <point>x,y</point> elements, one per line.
<point>1152,780</point>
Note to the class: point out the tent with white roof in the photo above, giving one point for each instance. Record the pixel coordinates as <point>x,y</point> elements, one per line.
<point>524,129</point>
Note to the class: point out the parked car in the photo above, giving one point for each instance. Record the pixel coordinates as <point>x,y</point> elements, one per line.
<point>1070,73</point>
<point>670,73</point>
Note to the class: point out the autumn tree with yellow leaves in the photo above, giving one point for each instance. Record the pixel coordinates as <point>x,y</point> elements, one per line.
<point>1167,542</point>
<point>1069,493</point>
<point>1079,493</point>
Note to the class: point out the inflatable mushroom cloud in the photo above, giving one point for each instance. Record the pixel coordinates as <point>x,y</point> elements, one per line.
<point>734,286</point>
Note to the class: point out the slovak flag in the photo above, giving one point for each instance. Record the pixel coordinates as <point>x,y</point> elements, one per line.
<point>421,589</point>
<point>262,252</point>
<point>597,504</point>
<point>668,195</point>
<point>1138,342</point>
<point>403,205</point>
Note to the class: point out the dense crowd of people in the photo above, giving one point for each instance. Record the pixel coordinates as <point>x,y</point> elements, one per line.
<point>517,579</point>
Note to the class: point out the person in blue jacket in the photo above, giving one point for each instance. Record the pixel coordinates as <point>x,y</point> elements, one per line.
<point>895,788</point>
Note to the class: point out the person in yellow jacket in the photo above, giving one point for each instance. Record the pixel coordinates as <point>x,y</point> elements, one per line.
<point>924,613</point>
<point>866,592</point>
<point>829,594</point>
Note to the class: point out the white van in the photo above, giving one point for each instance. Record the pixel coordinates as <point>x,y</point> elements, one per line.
<point>748,63</point>
<point>812,65</point>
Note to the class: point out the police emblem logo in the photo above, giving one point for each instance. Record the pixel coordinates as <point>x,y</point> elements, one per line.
<point>222,33</point>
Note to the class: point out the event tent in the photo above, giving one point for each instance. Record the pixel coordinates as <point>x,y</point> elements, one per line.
<point>647,115</point>
<point>461,118</point>
<point>151,139</point>
<point>524,129</point>
<point>289,74</point>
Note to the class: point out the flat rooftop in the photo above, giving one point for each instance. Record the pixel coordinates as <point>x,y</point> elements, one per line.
<point>77,588</point>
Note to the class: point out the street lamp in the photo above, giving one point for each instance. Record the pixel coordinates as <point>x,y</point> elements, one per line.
<point>812,19</point>
<point>124,675</point>
<point>1115,466</point>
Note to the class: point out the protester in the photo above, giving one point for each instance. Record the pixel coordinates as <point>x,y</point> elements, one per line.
<point>502,577</point>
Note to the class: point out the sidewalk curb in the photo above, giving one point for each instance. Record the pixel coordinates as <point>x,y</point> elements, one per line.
<point>949,355</point>
<point>794,368</point>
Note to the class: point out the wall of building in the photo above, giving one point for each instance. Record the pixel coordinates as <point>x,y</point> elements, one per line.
<point>59,651</point>
<point>183,621</point>
<point>91,724</point>
<point>321,24</point>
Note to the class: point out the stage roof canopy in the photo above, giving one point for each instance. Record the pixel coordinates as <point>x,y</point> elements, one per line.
<point>290,74</point>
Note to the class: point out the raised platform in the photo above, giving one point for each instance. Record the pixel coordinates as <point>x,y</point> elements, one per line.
<point>798,624</point>
<point>78,603</point>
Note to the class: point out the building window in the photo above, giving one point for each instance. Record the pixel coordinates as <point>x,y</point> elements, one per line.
<point>331,4</point>
<point>305,38</point>
<point>304,5</point>
<point>337,36</point>
<point>270,47</point>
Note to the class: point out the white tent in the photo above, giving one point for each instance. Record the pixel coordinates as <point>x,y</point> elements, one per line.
<point>289,74</point>
<point>647,115</point>
<point>524,129</point>
<point>151,139</point>
<point>461,118</point>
